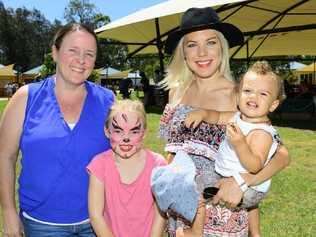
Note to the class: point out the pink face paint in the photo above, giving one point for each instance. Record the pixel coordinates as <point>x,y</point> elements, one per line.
<point>126,132</point>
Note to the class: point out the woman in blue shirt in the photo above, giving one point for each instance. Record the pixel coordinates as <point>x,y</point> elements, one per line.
<point>58,126</point>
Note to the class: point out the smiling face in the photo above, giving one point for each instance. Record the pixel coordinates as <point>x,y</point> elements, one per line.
<point>203,53</point>
<point>126,131</point>
<point>75,57</point>
<point>257,96</point>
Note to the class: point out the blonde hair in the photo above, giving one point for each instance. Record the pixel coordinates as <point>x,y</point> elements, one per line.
<point>127,105</point>
<point>179,76</point>
<point>263,68</point>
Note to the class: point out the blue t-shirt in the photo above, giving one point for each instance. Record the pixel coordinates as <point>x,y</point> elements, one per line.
<point>53,183</point>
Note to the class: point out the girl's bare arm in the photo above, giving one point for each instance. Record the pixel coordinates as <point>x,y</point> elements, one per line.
<point>96,201</point>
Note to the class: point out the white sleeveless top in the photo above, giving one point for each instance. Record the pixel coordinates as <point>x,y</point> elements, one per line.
<point>227,162</point>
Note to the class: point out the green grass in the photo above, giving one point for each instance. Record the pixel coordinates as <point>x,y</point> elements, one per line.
<point>290,208</point>
<point>2,105</point>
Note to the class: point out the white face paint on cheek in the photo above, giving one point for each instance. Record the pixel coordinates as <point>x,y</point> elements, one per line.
<point>126,134</point>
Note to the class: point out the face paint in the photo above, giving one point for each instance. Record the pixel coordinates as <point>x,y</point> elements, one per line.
<point>126,131</point>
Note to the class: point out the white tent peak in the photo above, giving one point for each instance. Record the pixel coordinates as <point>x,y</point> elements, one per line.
<point>35,70</point>
<point>160,10</point>
<point>296,65</point>
<point>108,71</point>
<point>270,27</point>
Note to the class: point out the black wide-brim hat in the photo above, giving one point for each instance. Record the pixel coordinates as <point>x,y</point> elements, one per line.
<point>195,19</point>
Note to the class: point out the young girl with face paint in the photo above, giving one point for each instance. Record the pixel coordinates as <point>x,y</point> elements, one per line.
<point>120,199</point>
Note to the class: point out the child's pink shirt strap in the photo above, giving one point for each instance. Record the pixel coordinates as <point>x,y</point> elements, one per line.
<point>129,207</point>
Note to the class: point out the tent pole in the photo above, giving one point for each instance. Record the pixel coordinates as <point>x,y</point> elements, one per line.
<point>248,59</point>
<point>159,46</point>
<point>314,78</point>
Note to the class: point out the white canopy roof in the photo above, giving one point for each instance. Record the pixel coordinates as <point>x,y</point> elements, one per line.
<point>275,27</point>
<point>296,65</point>
<point>35,70</point>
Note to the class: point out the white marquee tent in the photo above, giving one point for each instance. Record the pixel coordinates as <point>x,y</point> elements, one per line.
<point>270,27</point>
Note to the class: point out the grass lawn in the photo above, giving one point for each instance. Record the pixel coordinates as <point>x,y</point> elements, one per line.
<point>290,208</point>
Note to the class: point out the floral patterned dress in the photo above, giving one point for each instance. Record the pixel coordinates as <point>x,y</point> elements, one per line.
<point>202,144</point>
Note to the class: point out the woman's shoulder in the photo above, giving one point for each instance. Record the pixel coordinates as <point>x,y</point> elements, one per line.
<point>100,89</point>
<point>103,94</point>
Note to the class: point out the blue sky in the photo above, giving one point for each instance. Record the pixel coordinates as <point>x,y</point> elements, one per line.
<point>54,9</point>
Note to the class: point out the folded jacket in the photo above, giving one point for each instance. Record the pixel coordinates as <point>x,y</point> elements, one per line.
<point>174,186</point>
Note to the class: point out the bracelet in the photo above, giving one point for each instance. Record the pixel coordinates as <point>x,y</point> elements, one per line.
<point>240,181</point>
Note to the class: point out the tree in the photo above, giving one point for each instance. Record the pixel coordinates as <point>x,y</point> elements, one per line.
<point>109,54</point>
<point>81,11</point>
<point>100,20</point>
<point>6,34</point>
<point>84,12</point>
<point>49,66</point>
<point>24,37</point>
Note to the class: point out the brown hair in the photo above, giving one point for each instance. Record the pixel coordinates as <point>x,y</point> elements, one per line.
<point>71,27</point>
<point>263,68</point>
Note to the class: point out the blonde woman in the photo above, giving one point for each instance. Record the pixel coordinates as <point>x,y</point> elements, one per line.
<point>198,77</point>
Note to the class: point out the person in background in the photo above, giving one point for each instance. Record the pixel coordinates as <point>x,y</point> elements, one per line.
<point>125,85</point>
<point>121,203</point>
<point>146,88</point>
<point>9,89</point>
<point>157,75</point>
<point>199,77</point>
<point>58,126</point>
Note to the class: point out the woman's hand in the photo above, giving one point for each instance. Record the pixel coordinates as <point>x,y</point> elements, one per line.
<point>12,226</point>
<point>194,118</point>
<point>229,193</point>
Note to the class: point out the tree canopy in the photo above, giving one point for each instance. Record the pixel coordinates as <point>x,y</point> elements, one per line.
<point>26,36</point>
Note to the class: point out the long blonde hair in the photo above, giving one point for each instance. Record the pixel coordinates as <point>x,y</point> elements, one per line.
<point>179,76</point>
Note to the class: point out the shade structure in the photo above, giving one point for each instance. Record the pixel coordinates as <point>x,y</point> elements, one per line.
<point>7,71</point>
<point>7,75</point>
<point>308,68</point>
<point>119,75</point>
<point>112,73</point>
<point>306,74</point>
<point>270,27</point>
<point>106,71</point>
<point>296,65</point>
<point>32,73</point>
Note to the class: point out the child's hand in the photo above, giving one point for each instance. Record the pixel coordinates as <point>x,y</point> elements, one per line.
<point>194,118</point>
<point>234,134</point>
